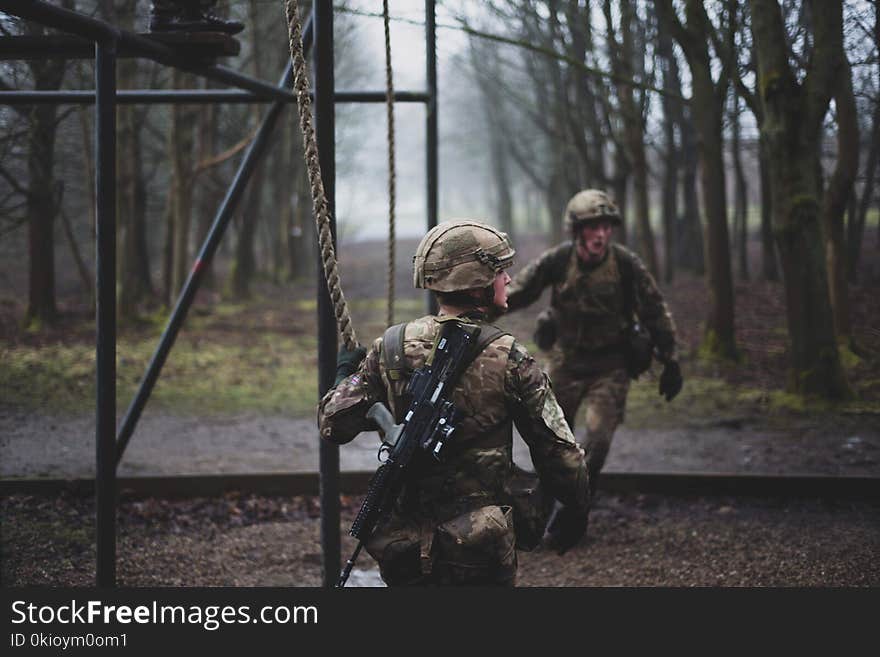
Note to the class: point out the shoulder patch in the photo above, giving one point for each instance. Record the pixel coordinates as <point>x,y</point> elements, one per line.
<point>518,353</point>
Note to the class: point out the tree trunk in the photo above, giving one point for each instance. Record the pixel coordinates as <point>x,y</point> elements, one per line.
<point>619,185</point>
<point>857,225</point>
<point>284,175</point>
<point>496,133</point>
<point>690,234</point>
<point>792,123</point>
<point>688,228</point>
<point>719,337</point>
<point>838,195</point>
<point>182,155</point>
<point>740,202</point>
<point>707,111</point>
<point>671,159</point>
<point>768,245</point>
<point>89,169</point>
<point>210,195</point>
<point>305,238</point>
<point>622,57</point>
<point>857,228</point>
<point>135,286</point>
<point>40,206</point>
<point>245,263</point>
<point>85,276</point>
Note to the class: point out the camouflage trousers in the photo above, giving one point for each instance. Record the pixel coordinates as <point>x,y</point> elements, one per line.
<point>604,395</point>
<point>475,548</point>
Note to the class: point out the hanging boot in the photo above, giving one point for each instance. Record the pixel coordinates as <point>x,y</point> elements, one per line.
<point>189,16</point>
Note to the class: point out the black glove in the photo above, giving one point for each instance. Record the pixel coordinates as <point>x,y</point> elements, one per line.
<point>545,330</point>
<point>670,380</point>
<point>347,362</point>
<point>567,525</point>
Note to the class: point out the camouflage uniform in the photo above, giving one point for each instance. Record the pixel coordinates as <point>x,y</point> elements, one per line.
<point>588,361</point>
<point>452,523</point>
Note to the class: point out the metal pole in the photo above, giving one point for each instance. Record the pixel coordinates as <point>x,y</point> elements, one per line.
<point>325,131</point>
<point>105,354</point>
<point>431,122</point>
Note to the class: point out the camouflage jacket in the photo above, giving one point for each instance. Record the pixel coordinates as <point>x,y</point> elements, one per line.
<point>589,302</point>
<point>503,385</point>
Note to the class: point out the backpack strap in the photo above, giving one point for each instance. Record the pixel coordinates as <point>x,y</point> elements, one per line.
<point>392,351</point>
<point>488,335</point>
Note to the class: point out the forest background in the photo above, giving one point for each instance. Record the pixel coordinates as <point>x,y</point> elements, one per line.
<point>740,140</point>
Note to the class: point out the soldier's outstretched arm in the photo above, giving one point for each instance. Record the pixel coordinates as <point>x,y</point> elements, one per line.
<point>528,284</point>
<point>342,411</point>
<point>653,312</point>
<point>557,458</point>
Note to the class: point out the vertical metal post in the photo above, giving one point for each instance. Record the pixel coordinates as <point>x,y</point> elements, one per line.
<point>431,122</point>
<point>325,130</point>
<point>105,355</point>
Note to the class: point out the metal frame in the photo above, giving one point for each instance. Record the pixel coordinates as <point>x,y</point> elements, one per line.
<point>109,41</point>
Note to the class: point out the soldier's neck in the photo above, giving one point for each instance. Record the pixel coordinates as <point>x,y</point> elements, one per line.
<point>456,311</point>
<point>585,261</point>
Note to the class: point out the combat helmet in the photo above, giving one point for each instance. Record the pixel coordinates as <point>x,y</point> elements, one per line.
<point>461,255</point>
<point>589,204</point>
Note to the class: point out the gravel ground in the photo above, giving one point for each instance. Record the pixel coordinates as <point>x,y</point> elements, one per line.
<point>634,540</point>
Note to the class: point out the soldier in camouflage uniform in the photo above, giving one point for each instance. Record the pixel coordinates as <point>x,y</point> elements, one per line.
<point>452,523</point>
<point>597,288</point>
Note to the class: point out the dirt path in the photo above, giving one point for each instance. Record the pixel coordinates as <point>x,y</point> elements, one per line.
<point>40,445</point>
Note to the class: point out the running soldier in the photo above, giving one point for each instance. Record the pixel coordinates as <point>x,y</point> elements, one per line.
<point>601,292</point>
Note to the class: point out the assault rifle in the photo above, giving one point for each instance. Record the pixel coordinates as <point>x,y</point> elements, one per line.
<point>426,428</point>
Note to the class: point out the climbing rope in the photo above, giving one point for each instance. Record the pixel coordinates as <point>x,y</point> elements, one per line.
<point>389,103</point>
<point>319,199</point>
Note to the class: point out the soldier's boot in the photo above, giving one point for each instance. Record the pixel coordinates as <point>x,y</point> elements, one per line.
<point>595,461</point>
<point>189,16</point>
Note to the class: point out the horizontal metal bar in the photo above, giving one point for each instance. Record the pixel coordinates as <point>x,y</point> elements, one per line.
<point>141,96</point>
<point>192,96</point>
<point>71,21</point>
<point>379,97</point>
<point>206,46</point>
<point>356,482</point>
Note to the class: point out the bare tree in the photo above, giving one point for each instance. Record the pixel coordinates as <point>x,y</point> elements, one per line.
<point>496,132</point>
<point>856,224</point>
<point>39,190</point>
<point>839,193</point>
<point>740,195</point>
<point>623,57</point>
<point>793,113</point>
<point>707,104</point>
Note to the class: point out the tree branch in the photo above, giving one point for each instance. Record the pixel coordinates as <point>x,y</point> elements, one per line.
<point>220,158</point>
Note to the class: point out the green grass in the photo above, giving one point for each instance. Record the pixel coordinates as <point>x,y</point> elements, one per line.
<point>708,400</point>
<point>269,373</point>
